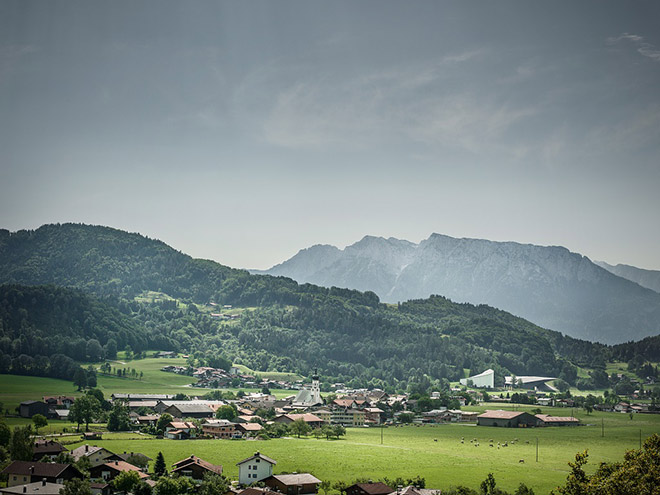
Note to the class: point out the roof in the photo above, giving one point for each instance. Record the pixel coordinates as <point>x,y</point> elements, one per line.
<point>124,466</point>
<point>250,426</point>
<point>413,490</point>
<point>546,418</point>
<point>36,487</point>
<point>377,488</point>
<point>41,469</point>
<point>182,425</point>
<point>306,417</point>
<point>296,479</point>
<point>192,408</point>
<point>528,379</point>
<point>127,455</point>
<point>499,414</point>
<point>259,455</point>
<point>48,446</point>
<point>85,450</point>
<point>193,460</point>
<point>257,491</point>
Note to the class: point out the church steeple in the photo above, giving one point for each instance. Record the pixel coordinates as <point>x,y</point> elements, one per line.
<point>316,387</point>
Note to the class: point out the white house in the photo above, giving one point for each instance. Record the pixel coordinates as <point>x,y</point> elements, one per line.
<point>255,468</point>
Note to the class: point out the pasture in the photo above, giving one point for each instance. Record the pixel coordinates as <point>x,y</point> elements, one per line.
<point>433,452</point>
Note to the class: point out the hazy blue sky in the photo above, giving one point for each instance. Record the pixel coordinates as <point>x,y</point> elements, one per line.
<point>244,131</point>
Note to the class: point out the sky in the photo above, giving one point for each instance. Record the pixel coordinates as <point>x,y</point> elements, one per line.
<point>245,131</point>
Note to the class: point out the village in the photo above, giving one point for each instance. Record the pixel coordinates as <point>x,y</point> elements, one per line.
<point>261,416</point>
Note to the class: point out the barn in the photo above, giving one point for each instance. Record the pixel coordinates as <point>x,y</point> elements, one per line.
<point>507,419</point>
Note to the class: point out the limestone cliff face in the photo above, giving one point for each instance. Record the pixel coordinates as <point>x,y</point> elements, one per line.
<point>550,286</point>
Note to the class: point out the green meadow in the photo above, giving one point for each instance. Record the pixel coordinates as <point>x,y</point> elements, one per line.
<point>14,389</point>
<point>433,452</point>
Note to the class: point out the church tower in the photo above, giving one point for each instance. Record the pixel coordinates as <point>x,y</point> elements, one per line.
<point>316,388</point>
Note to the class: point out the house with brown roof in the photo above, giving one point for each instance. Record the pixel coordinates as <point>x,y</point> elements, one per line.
<point>369,489</point>
<point>293,484</point>
<point>248,429</point>
<point>110,470</point>
<point>257,491</point>
<point>255,468</point>
<point>311,419</point>
<point>195,468</point>
<point>48,448</point>
<point>180,430</point>
<point>25,472</point>
<point>510,419</point>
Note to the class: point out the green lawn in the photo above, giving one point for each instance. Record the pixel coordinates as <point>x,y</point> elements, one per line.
<point>433,452</point>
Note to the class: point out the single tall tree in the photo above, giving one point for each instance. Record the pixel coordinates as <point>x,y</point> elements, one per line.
<point>160,468</point>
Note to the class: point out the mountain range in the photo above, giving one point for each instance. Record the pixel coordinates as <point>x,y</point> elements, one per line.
<point>646,278</point>
<point>549,285</point>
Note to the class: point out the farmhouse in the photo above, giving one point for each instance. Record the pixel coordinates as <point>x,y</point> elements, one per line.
<point>110,470</point>
<point>510,419</point>
<point>219,428</point>
<point>309,418</point>
<point>248,429</point>
<point>255,468</point>
<point>24,472</point>
<point>176,430</point>
<point>293,484</point>
<point>195,468</point>
<point>47,448</point>
<point>96,455</point>
<point>369,489</point>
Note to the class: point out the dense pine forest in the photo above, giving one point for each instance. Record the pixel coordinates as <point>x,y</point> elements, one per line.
<point>72,292</point>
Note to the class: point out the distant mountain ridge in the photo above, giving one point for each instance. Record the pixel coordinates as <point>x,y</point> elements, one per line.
<point>551,286</point>
<point>646,278</point>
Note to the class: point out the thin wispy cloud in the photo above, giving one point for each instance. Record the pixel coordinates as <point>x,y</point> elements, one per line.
<point>643,47</point>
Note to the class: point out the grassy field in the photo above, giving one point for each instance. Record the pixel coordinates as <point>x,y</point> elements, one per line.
<point>14,389</point>
<point>433,452</point>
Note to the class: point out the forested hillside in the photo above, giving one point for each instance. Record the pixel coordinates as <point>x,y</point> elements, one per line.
<point>284,326</point>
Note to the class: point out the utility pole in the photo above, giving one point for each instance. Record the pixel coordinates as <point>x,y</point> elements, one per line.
<point>382,427</point>
<point>537,449</point>
<point>602,427</point>
<point>640,439</point>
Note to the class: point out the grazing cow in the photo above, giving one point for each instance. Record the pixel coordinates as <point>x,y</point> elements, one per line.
<point>522,461</point>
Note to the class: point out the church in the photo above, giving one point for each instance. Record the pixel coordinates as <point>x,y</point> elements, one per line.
<point>309,397</point>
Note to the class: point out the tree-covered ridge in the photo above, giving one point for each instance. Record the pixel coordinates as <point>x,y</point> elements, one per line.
<point>104,261</point>
<point>47,320</point>
<point>348,334</point>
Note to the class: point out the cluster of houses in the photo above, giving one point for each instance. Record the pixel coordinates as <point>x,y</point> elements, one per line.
<point>34,477</point>
<point>208,377</point>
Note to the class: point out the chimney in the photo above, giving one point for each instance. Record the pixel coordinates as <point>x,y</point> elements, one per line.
<point>116,463</point>
<point>24,489</point>
<point>43,482</point>
<point>31,469</point>
<point>86,448</point>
